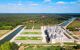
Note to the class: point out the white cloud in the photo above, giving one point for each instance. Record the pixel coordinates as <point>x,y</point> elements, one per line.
<point>17,4</point>
<point>47,0</point>
<point>60,2</point>
<point>76,2</point>
<point>50,6</point>
<point>34,4</point>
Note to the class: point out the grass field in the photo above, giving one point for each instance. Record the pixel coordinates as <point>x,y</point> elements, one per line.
<point>43,48</point>
<point>37,47</point>
<point>74,25</point>
<point>28,38</point>
<point>69,43</point>
<point>2,32</point>
<point>31,32</point>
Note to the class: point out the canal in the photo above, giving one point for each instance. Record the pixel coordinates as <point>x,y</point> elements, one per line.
<point>67,22</point>
<point>11,35</point>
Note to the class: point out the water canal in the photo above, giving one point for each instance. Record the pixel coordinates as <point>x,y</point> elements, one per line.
<point>11,35</point>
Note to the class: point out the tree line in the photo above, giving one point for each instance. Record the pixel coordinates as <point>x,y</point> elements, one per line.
<point>9,21</point>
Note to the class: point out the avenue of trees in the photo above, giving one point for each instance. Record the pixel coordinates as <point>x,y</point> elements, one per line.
<point>9,21</point>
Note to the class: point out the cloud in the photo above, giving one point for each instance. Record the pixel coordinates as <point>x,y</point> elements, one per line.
<point>17,4</point>
<point>47,0</point>
<point>60,2</point>
<point>76,2</point>
<point>34,4</point>
<point>50,6</point>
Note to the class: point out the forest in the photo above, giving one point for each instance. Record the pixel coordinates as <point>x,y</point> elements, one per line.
<point>9,21</point>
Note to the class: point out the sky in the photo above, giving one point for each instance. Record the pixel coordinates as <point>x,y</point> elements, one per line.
<point>39,6</point>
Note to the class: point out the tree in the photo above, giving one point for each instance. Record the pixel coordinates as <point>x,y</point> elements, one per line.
<point>9,46</point>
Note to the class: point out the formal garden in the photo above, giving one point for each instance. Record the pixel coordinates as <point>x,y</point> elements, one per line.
<point>35,21</point>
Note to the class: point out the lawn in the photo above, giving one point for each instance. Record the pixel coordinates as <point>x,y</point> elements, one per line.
<point>31,32</point>
<point>69,43</point>
<point>51,47</point>
<point>2,32</point>
<point>43,48</point>
<point>28,38</point>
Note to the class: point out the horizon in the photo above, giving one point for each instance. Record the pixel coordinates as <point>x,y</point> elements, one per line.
<point>44,13</point>
<point>39,6</point>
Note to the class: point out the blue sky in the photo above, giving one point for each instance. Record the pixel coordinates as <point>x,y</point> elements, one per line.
<point>39,6</point>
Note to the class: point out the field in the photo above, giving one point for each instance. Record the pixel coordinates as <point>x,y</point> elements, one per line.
<point>2,32</point>
<point>51,47</point>
<point>75,25</point>
<point>35,21</point>
<point>8,21</point>
<point>75,28</point>
<point>43,48</point>
<point>31,33</point>
<point>28,38</point>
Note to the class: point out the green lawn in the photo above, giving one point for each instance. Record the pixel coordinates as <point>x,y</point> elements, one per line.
<point>43,48</point>
<point>31,32</point>
<point>69,43</point>
<point>51,47</point>
<point>28,38</point>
